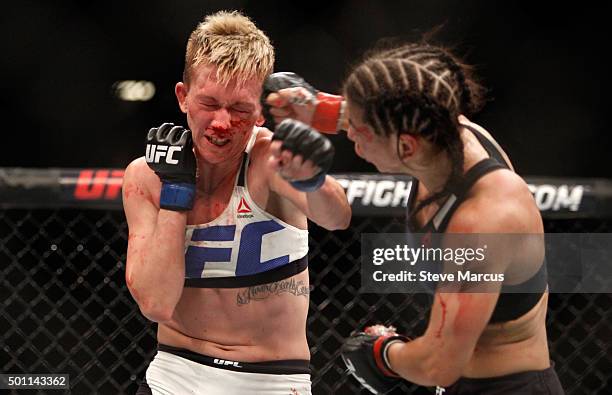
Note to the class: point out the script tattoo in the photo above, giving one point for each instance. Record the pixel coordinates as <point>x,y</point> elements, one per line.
<point>261,292</point>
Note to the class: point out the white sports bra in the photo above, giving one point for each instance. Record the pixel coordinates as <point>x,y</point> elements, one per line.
<point>245,245</point>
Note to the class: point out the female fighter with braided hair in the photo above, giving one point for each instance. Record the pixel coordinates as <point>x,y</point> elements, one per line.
<point>406,111</point>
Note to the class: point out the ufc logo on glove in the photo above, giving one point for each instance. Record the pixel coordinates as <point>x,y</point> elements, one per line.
<point>155,152</point>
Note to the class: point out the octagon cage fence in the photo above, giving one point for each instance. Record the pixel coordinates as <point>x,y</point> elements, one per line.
<point>66,309</point>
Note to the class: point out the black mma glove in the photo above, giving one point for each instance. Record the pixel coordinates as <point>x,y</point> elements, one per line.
<point>285,79</point>
<point>328,108</point>
<point>170,155</point>
<point>301,139</point>
<point>365,355</point>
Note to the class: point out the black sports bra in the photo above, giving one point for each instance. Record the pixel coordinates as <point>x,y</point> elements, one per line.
<point>512,303</point>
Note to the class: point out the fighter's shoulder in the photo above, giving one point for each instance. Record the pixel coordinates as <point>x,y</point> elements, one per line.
<point>262,142</point>
<point>501,203</point>
<point>138,173</point>
<point>138,169</point>
<point>264,135</point>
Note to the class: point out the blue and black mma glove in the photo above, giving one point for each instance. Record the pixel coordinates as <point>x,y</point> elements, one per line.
<point>170,155</point>
<point>365,356</point>
<point>301,139</point>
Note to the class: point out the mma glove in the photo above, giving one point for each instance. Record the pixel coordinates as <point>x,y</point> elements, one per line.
<point>365,355</point>
<point>170,155</point>
<point>328,111</point>
<point>300,139</point>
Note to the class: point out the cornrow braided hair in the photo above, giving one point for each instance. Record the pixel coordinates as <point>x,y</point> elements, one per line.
<point>418,89</point>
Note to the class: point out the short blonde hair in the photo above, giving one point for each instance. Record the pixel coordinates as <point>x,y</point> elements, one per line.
<point>231,42</point>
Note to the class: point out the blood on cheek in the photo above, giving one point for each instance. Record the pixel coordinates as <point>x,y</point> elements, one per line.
<point>241,123</point>
<point>236,126</point>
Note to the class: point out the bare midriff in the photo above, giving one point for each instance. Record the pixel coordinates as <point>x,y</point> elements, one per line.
<point>260,323</point>
<point>511,347</point>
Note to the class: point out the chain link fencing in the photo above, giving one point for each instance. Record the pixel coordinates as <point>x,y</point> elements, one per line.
<point>66,309</point>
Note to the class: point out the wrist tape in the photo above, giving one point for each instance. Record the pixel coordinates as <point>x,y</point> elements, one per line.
<point>381,346</point>
<point>177,197</point>
<point>328,113</point>
<point>311,184</point>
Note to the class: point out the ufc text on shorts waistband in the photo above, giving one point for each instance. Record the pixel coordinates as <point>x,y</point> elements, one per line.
<point>288,366</point>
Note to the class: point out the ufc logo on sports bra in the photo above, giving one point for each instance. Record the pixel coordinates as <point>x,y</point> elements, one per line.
<point>155,152</point>
<point>249,249</point>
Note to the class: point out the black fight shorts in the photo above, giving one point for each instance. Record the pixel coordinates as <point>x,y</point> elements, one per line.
<point>545,382</point>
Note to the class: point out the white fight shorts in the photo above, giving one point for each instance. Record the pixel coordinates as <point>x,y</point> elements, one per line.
<point>171,374</point>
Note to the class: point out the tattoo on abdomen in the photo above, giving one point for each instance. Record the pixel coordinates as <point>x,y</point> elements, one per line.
<point>262,292</point>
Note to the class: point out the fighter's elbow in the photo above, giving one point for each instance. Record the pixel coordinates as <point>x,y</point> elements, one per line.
<point>443,377</point>
<point>340,221</point>
<point>155,311</point>
<point>345,221</point>
<point>439,373</point>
